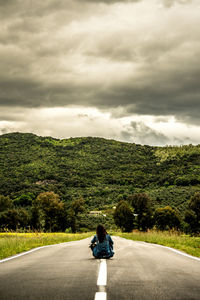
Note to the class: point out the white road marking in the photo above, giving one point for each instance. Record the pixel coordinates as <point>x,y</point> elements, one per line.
<point>100,296</point>
<point>102,281</point>
<point>36,249</point>
<point>157,245</point>
<point>179,252</point>
<point>102,278</point>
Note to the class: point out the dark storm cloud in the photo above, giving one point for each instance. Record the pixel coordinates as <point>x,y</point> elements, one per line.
<point>59,53</point>
<point>42,8</point>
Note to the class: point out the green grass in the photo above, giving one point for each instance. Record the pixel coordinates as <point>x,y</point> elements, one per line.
<point>190,245</point>
<point>13,243</point>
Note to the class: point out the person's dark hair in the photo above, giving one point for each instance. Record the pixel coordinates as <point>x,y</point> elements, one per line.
<point>101,233</point>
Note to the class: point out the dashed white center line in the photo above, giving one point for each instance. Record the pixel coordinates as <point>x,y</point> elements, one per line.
<point>102,281</point>
<point>102,278</point>
<point>100,296</point>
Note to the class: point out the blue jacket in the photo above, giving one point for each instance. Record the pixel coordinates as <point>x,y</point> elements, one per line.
<point>104,249</point>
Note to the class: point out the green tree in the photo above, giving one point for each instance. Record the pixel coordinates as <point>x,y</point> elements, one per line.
<point>142,206</point>
<point>77,206</point>
<point>5,203</point>
<point>14,218</point>
<point>123,216</point>
<point>166,218</point>
<point>24,200</point>
<point>9,219</point>
<point>24,218</point>
<point>48,207</point>
<point>35,221</point>
<point>192,215</point>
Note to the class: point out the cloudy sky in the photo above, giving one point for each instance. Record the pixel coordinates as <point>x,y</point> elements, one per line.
<point>127,70</point>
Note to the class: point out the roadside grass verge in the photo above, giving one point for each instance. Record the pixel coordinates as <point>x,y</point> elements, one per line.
<point>185,243</point>
<point>14,243</point>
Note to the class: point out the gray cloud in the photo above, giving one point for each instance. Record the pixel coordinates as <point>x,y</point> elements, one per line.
<point>170,3</point>
<point>108,2</point>
<point>129,55</point>
<point>138,132</point>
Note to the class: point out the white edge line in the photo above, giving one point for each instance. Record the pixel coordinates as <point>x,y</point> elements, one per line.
<point>169,248</point>
<point>38,248</point>
<point>179,252</point>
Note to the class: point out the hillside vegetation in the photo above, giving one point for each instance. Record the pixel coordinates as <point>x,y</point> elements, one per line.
<point>101,171</point>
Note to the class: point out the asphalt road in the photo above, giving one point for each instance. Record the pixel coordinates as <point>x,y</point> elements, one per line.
<point>68,271</point>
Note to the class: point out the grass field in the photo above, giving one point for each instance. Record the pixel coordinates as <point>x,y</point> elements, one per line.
<point>190,245</point>
<point>13,243</point>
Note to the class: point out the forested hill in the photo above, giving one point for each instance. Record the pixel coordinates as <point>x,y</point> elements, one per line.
<point>101,171</point>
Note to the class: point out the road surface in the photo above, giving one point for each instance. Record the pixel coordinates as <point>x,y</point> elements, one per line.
<point>68,271</point>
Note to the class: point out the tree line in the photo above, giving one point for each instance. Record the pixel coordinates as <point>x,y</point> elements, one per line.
<point>137,213</point>
<point>47,212</point>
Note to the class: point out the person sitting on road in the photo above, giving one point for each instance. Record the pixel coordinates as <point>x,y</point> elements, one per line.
<point>102,244</point>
